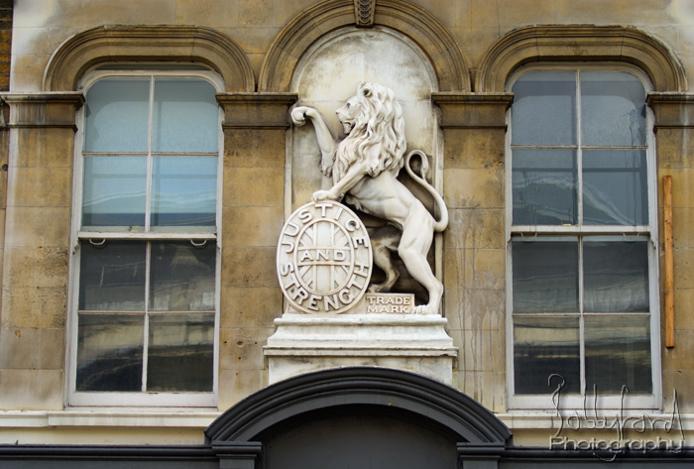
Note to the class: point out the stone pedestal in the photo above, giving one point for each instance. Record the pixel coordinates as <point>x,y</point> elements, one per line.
<point>382,330</point>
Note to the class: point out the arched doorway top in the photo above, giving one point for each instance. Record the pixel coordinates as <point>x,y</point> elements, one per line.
<point>411,20</point>
<point>373,386</point>
<point>123,43</point>
<point>585,43</point>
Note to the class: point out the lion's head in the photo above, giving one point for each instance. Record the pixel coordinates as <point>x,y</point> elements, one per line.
<point>374,130</point>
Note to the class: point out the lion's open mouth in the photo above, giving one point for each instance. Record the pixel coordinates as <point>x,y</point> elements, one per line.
<point>347,127</point>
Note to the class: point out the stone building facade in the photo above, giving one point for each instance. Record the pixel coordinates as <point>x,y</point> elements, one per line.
<point>464,72</point>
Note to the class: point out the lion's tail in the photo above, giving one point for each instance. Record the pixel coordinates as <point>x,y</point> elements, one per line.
<point>442,223</point>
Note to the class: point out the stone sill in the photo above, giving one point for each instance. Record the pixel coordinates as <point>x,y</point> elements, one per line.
<point>542,420</point>
<point>518,420</point>
<point>102,417</point>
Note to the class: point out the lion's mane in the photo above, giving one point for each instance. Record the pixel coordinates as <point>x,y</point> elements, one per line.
<point>378,120</point>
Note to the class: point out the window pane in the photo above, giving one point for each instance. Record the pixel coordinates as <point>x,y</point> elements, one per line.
<point>615,188</point>
<point>112,276</point>
<point>182,276</point>
<point>544,346</point>
<point>114,191</point>
<point>544,187</point>
<point>613,109</point>
<point>618,352</point>
<point>117,113</point>
<point>544,109</point>
<point>184,191</point>
<point>615,276</point>
<point>180,352</point>
<point>109,353</point>
<point>545,276</point>
<point>186,116</point>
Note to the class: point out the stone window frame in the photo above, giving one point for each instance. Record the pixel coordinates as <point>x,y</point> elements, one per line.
<point>584,44</point>
<point>161,44</point>
<point>604,401</point>
<point>193,400</point>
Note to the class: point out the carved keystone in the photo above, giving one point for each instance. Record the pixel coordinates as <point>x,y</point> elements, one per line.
<point>364,13</point>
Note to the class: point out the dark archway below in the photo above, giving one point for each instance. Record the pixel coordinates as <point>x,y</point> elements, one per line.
<point>358,437</point>
<point>359,387</point>
<point>347,418</point>
<point>358,417</point>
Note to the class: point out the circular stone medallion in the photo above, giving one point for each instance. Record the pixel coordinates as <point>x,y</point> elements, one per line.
<point>324,258</point>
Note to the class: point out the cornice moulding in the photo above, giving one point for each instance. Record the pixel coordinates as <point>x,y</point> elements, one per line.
<point>43,109</point>
<point>266,97</point>
<point>262,110</point>
<point>69,97</point>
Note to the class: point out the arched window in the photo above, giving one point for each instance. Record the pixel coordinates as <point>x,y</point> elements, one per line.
<point>582,238</point>
<point>145,296</point>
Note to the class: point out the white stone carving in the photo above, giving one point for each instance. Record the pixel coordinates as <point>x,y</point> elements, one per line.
<point>389,303</point>
<point>324,258</point>
<point>364,12</point>
<point>311,342</point>
<point>364,167</point>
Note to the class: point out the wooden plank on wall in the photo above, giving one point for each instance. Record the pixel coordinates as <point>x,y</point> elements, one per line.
<point>668,274</point>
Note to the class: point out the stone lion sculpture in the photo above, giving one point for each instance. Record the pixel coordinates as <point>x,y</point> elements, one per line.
<point>364,167</point>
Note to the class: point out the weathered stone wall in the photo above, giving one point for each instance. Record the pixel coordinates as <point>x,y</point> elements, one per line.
<point>675,150</point>
<point>254,197</point>
<point>36,251</point>
<point>42,25</point>
<point>475,245</point>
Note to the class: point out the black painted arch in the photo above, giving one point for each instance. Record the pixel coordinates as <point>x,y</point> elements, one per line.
<point>372,386</point>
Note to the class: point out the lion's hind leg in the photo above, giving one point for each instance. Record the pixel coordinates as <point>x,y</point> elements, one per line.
<point>384,241</point>
<point>417,235</point>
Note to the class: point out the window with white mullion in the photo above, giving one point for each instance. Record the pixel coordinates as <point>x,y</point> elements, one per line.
<point>574,147</point>
<point>581,323</point>
<point>547,170</point>
<point>545,314</point>
<point>174,233</point>
<point>579,189</point>
<point>611,285</point>
<point>114,153</point>
<point>148,177</point>
<point>581,232</point>
<point>172,154</point>
<point>146,300</point>
<point>544,147</point>
<point>553,230</point>
<point>96,312</point>
<point>175,288</point>
<point>145,334</point>
<point>614,147</point>
<point>167,179</point>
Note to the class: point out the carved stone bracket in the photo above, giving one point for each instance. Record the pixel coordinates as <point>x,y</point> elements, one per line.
<point>364,13</point>
<point>256,110</point>
<point>472,110</point>
<point>32,110</point>
<point>672,110</point>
